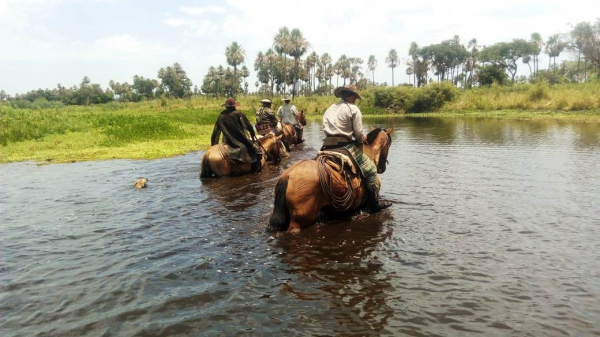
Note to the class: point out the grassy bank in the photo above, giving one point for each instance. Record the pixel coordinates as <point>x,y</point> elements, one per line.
<point>163,128</point>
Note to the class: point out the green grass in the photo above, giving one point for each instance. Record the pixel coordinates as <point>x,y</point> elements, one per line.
<point>162,128</point>
<point>540,97</point>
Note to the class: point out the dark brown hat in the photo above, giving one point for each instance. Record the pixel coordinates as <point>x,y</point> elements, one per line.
<point>230,102</point>
<point>349,88</point>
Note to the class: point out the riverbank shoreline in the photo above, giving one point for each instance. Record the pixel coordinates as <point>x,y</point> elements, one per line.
<point>92,145</point>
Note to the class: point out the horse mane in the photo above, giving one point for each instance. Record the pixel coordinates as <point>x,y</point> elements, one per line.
<point>371,136</point>
<point>265,137</point>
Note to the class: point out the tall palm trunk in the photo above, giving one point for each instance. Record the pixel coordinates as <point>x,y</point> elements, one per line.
<point>295,77</point>
<point>578,61</point>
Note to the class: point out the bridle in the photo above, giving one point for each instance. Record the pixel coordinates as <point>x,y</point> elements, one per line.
<point>269,156</point>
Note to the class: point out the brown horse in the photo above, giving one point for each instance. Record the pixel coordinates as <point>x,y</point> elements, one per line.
<point>301,118</point>
<point>215,161</point>
<point>289,132</point>
<point>299,195</point>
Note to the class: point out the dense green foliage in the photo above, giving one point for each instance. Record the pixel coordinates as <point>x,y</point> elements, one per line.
<point>408,99</point>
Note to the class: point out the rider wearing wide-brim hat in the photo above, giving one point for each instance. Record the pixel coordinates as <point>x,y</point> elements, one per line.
<point>288,113</point>
<point>265,118</point>
<point>234,124</point>
<point>342,124</point>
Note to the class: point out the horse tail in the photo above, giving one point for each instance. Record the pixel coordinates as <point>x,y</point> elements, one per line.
<point>205,171</point>
<point>280,219</point>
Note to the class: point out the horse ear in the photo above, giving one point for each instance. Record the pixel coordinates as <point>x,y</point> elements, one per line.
<point>279,137</point>
<point>389,130</point>
<point>371,128</point>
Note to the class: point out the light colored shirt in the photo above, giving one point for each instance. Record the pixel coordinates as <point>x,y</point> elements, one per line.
<point>343,119</point>
<point>288,113</point>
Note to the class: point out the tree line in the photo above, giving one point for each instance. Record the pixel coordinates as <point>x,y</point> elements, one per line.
<point>282,68</point>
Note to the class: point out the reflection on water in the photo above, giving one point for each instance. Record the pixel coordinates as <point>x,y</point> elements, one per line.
<point>493,230</point>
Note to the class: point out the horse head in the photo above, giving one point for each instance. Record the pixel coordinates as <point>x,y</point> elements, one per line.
<point>380,141</point>
<point>270,144</point>
<point>301,118</point>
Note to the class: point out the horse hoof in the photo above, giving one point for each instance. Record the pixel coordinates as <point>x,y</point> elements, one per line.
<point>140,183</point>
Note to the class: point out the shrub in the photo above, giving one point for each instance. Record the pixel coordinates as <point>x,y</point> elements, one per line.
<point>538,92</point>
<point>408,99</point>
<point>432,97</point>
<point>561,104</point>
<point>584,103</point>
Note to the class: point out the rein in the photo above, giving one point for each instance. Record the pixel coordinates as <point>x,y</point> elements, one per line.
<point>269,157</point>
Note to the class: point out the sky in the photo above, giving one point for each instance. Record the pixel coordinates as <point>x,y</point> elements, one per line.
<point>46,42</point>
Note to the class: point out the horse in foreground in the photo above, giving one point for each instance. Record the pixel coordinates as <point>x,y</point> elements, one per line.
<point>309,185</point>
<point>216,162</point>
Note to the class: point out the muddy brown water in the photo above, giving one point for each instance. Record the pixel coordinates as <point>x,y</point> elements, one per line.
<point>495,230</point>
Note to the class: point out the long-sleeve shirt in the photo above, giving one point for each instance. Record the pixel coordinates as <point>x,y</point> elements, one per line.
<point>233,125</point>
<point>343,119</point>
<point>288,113</point>
<point>265,115</point>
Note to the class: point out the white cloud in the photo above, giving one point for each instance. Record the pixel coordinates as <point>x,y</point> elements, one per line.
<point>175,22</point>
<point>193,28</point>
<point>202,10</point>
<point>126,44</point>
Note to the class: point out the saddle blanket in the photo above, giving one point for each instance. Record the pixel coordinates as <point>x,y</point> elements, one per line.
<point>344,160</point>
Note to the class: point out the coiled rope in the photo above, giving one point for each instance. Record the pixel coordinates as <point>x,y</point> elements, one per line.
<point>339,202</point>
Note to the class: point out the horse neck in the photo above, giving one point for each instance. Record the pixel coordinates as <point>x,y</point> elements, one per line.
<point>267,144</point>
<point>372,151</point>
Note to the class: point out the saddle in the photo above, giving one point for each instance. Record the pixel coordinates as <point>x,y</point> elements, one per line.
<point>337,170</point>
<point>340,159</point>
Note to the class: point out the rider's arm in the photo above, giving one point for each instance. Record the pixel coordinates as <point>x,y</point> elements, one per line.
<point>214,139</point>
<point>248,126</point>
<point>357,130</point>
<point>272,119</point>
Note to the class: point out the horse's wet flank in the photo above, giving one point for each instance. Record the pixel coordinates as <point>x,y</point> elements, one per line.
<point>494,229</point>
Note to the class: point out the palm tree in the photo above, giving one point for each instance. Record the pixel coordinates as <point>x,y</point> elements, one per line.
<point>582,40</point>
<point>281,44</point>
<point>554,46</point>
<point>526,60</point>
<point>298,47</point>
<point>472,60</point>
<point>409,71</point>
<point>392,62</point>
<point>537,42</point>
<point>235,55</point>
<point>311,62</point>
<point>245,73</point>
<point>327,67</point>
<point>413,52</point>
<point>372,65</point>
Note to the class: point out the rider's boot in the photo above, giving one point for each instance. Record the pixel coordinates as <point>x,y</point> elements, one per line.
<point>288,148</point>
<point>300,139</point>
<point>375,204</point>
<point>258,163</point>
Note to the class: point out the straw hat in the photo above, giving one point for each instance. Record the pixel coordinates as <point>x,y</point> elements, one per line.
<point>350,88</point>
<point>287,97</point>
<point>266,100</point>
<point>230,102</point>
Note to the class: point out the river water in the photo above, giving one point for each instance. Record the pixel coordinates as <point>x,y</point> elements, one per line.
<point>495,230</point>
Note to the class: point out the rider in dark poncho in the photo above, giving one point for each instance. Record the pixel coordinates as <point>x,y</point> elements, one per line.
<point>234,124</point>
